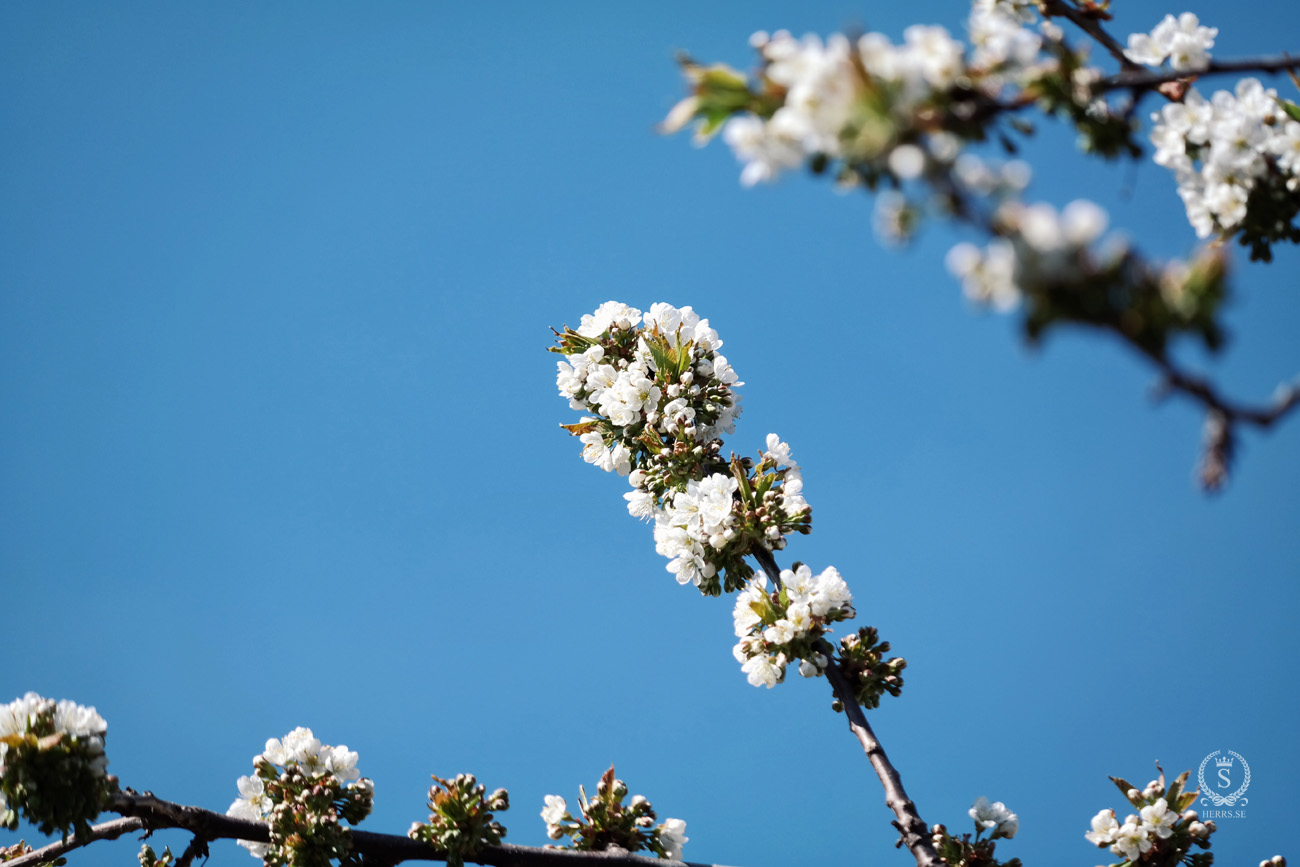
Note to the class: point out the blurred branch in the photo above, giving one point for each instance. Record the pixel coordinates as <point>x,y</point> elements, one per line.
<point>148,813</point>
<point>1148,79</point>
<point>1222,416</point>
<point>1087,18</point>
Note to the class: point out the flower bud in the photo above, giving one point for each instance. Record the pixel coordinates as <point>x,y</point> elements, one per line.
<point>1132,794</point>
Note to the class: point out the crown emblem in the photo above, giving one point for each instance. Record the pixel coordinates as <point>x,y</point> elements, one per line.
<point>1225,762</point>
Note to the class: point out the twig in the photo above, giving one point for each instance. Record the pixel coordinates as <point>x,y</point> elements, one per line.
<point>1202,391</point>
<point>104,831</point>
<point>1148,79</point>
<point>1222,416</point>
<point>147,812</point>
<point>1087,22</point>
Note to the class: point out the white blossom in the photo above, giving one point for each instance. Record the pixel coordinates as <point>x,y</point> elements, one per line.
<point>1158,819</point>
<point>672,836</point>
<point>1104,828</point>
<point>764,670</point>
<point>553,812</point>
<point>995,817</point>
<point>1131,840</point>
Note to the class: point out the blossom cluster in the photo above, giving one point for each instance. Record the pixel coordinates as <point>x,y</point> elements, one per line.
<point>775,628</point>
<point>645,376</point>
<point>461,822</point>
<point>1237,160</point>
<point>712,524</point>
<point>660,396</point>
<point>303,790</point>
<point>53,768</point>
<point>605,821</point>
<point>1163,829</point>
<point>1053,261</point>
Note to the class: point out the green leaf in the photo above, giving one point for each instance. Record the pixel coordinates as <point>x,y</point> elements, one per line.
<point>664,355</point>
<point>1175,790</point>
<point>581,427</point>
<point>1290,107</point>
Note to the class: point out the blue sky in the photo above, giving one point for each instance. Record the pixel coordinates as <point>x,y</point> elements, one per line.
<point>279,438</point>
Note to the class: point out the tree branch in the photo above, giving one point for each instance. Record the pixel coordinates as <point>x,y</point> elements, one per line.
<point>1222,416</point>
<point>915,833</point>
<point>768,562</point>
<point>1149,79</point>
<point>104,831</point>
<point>149,813</point>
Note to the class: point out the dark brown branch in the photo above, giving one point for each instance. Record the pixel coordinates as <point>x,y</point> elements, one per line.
<point>768,562</point>
<point>915,834</point>
<point>1149,79</point>
<point>1204,392</point>
<point>146,812</point>
<point>104,831</point>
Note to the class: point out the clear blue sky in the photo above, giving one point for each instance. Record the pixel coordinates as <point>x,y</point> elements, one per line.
<point>279,439</point>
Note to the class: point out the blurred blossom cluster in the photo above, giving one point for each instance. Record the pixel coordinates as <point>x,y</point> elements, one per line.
<point>1052,263</point>
<point>53,768</point>
<point>904,118</point>
<point>304,790</point>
